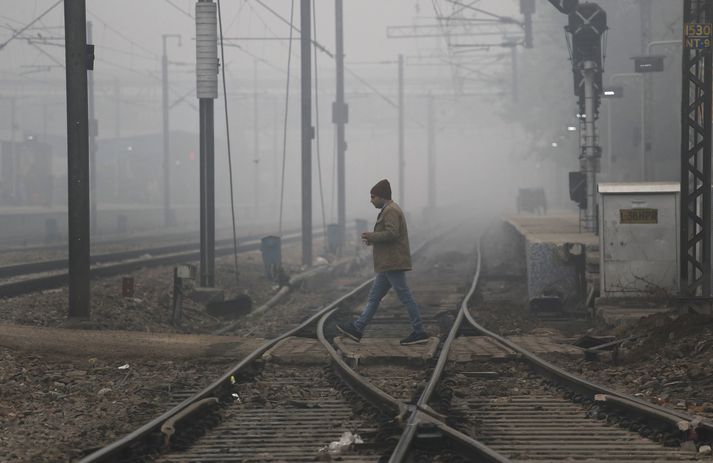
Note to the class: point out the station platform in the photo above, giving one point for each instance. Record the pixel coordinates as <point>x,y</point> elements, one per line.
<point>561,258</point>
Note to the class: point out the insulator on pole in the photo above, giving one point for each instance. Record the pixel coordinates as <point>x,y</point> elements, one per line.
<point>206,50</point>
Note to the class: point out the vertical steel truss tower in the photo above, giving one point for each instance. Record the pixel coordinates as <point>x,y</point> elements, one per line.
<point>695,239</point>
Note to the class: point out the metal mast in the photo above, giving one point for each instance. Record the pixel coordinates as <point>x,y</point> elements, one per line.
<point>696,120</point>
<point>307,129</point>
<point>78,61</point>
<point>207,90</point>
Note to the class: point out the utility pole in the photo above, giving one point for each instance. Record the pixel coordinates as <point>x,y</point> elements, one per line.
<point>78,60</point>
<point>431,156</point>
<point>402,161</point>
<point>93,132</point>
<point>168,218</point>
<point>340,116</point>
<point>307,129</point>
<point>207,91</point>
<point>256,145</point>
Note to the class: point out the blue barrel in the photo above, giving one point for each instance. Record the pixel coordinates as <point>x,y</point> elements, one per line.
<point>271,249</point>
<point>334,243</point>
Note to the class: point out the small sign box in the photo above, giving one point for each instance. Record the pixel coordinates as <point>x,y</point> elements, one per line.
<point>639,216</point>
<point>697,36</point>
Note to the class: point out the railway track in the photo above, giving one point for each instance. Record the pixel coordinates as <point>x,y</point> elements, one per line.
<point>294,396</point>
<point>37,276</point>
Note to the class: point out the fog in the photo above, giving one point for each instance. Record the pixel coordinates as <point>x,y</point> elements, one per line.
<point>495,130</point>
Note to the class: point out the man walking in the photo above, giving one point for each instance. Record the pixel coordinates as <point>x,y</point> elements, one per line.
<point>392,258</point>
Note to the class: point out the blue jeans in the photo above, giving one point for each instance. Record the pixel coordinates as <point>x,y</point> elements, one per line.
<point>382,283</point>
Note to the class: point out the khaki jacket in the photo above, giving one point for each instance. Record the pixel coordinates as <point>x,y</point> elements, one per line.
<point>390,240</point>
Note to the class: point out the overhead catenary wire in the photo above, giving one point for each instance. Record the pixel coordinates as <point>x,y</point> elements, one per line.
<point>28,25</point>
<point>227,136</point>
<point>287,106</point>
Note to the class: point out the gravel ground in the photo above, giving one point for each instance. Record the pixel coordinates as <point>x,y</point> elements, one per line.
<point>56,409</point>
<point>70,404</point>
<point>668,362</point>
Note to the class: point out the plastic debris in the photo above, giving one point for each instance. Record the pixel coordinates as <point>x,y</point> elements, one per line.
<point>338,446</point>
<point>124,367</point>
<point>319,261</point>
<point>705,449</point>
<point>103,391</point>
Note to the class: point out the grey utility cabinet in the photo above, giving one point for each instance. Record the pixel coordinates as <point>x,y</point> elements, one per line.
<point>638,239</point>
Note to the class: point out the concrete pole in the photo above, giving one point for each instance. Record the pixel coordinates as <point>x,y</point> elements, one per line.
<point>402,161</point>
<point>93,132</point>
<point>75,33</point>
<point>307,129</point>
<point>340,118</point>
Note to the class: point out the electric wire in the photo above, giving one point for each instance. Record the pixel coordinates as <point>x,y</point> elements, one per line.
<point>316,111</point>
<point>287,106</point>
<point>179,8</point>
<point>227,136</point>
<point>16,34</point>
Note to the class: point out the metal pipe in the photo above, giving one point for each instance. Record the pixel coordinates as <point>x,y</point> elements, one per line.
<point>75,16</point>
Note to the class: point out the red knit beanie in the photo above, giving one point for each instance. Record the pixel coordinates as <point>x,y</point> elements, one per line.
<point>382,189</point>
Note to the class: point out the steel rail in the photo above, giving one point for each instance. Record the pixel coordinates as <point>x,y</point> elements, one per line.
<point>420,413</point>
<point>13,270</point>
<point>681,420</point>
<point>29,285</point>
<point>154,425</point>
<point>417,415</point>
